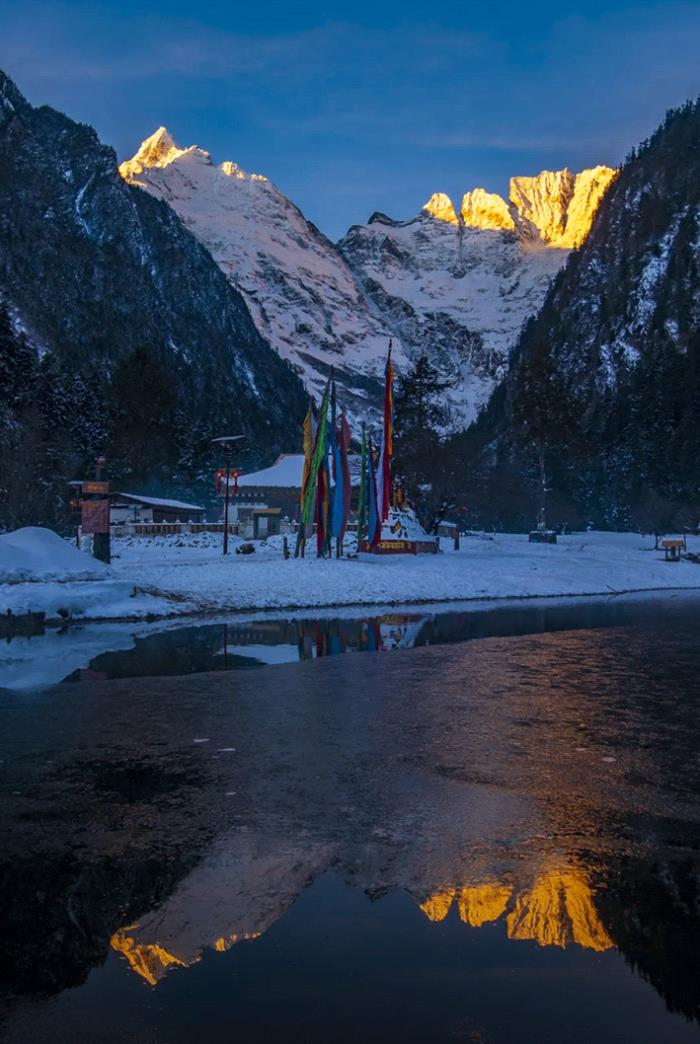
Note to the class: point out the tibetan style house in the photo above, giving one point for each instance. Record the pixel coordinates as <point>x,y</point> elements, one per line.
<point>265,498</point>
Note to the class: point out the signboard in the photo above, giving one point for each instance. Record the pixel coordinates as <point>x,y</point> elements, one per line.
<point>95,516</point>
<point>402,547</point>
<point>90,486</point>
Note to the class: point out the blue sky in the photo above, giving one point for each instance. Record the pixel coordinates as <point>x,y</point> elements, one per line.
<point>357,107</point>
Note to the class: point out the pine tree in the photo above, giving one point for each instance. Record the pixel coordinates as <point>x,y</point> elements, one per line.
<point>145,420</point>
<point>544,416</point>
<point>419,459</point>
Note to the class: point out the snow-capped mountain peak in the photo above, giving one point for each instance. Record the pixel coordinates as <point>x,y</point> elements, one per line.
<point>460,284</point>
<point>157,151</point>
<point>554,208</point>
<point>457,284</point>
<point>441,207</point>
<point>300,291</point>
<point>482,209</point>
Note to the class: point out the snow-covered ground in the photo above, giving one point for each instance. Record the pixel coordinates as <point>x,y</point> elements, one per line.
<point>35,553</point>
<point>505,566</point>
<point>166,576</point>
<point>42,572</point>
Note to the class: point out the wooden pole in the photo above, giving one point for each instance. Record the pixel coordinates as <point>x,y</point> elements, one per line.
<point>226,497</point>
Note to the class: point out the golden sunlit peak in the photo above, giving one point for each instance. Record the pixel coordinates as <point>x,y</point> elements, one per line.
<point>148,960</point>
<point>160,151</point>
<point>232,170</point>
<point>441,207</point>
<point>481,209</point>
<point>157,151</point>
<point>554,208</point>
<point>558,207</point>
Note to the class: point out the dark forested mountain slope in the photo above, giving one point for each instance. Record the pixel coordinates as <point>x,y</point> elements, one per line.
<point>607,377</point>
<point>128,310</point>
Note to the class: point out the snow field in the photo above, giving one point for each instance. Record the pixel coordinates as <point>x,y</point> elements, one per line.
<point>505,566</point>
<point>166,576</point>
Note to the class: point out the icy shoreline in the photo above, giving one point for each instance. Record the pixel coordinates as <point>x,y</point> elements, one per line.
<point>160,578</point>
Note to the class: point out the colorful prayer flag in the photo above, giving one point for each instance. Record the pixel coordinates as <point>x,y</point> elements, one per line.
<point>364,487</point>
<point>317,456</point>
<point>386,451</point>
<point>374,522</point>
<point>308,449</point>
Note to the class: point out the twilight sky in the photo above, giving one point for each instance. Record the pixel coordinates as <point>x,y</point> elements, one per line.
<point>357,106</point>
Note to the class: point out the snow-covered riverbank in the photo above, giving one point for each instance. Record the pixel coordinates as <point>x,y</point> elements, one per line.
<point>186,575</point>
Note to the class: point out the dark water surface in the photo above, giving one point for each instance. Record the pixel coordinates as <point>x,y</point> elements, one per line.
<point>490,841</point>
<point>89,652</point>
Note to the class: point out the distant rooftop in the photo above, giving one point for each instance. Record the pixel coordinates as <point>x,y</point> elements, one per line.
<point>287,473</point>
<point>159,502</point>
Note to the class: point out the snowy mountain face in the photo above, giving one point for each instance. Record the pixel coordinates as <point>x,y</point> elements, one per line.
<point>456,286</point>
<point>460,285</point>
<point>300,292</point>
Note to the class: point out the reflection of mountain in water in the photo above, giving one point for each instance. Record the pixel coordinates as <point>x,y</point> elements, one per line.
<point>235,894</point>
<point>59,913</point>
<point>470,779</point>
<point>649,913</point>
<point>246,895</point>
<point>652,910</point>
<point>558,910</point>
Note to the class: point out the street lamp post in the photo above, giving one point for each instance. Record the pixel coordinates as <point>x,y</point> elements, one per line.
<point>76,486</point>
<point>226,443</point>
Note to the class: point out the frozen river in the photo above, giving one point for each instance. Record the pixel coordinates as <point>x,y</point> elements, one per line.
<point>490,841</point>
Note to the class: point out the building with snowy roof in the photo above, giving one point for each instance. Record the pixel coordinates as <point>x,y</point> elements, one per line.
<point>134,507</point>
<point>266,497</point>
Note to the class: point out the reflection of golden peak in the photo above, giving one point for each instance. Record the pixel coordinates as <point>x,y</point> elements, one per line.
<point>225,942</point>
<point>557,911</point>
<point>149,960</point>
<point>479,904</point>
<point>437,907</point>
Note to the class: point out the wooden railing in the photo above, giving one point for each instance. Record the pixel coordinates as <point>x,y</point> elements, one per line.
<point>171,528</point>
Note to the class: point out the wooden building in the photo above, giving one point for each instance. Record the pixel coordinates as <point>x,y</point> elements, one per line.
<point>273,494</point>
<point>127,508</point>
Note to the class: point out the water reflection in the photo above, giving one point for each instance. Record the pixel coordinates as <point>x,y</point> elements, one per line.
<point>89,653</point>
<point>515,815</point>
<point>242,892</point>
<point>558,909</point>
<point>241,644</point>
